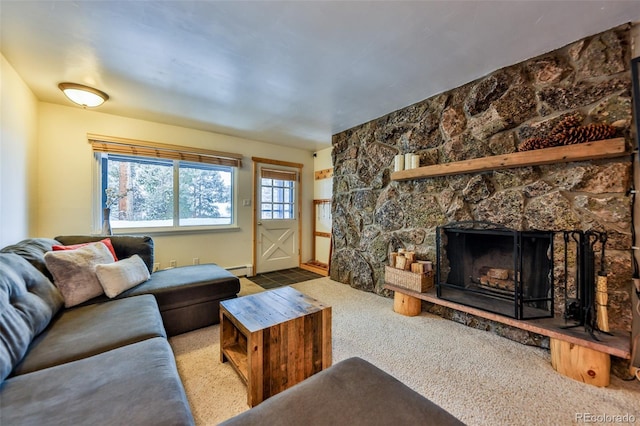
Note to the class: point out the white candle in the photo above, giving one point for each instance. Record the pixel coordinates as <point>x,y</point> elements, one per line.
<point>407,161</point>
<point>398,163</point>
<point>415,161</point>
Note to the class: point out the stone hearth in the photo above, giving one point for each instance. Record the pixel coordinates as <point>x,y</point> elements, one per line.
<point>374,216</point>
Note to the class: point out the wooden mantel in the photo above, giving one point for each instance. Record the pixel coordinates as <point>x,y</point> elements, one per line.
<point>617,344</point>
<point>574,353</point>
<point>608,148</point>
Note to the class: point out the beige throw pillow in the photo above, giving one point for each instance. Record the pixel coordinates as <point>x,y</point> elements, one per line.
<point>74,271</point>
<point>122,275</point>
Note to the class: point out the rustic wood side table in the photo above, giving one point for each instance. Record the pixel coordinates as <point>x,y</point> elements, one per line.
<point>275,339</point>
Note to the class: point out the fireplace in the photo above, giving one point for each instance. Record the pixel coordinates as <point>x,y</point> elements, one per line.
<point>496,269</point>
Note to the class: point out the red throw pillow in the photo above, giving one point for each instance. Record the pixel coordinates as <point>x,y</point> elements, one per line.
<point>106,242</point>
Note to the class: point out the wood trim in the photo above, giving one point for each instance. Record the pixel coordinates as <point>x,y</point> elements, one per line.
<point>299,216</point>
<point>608,148</point>
<point>316,268</point>
<point>313,231</point>
<point>323,174</point>
<point>616,345</point>
<point>277,162</point>
<point>254,219</point>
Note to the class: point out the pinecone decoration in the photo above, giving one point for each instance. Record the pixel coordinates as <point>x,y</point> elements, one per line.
<point>569,122</point>
<point>535,143</point>
<point>588,133</point>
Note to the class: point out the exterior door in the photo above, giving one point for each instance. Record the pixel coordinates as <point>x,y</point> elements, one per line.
<point>277,230</point>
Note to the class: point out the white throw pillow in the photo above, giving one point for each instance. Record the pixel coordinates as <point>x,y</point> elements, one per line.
<point>74,271</point>
<point>122,275</point>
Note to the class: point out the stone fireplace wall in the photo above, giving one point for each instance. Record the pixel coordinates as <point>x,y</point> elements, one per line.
<point>373,216</point>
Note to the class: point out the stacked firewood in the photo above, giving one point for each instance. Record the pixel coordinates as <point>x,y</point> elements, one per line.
<point>497,278</point>
<point>569,131</point>
<point>406,260</point>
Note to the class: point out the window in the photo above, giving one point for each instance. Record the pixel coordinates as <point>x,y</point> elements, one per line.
<point>153,191</point>
<point>277,194</point>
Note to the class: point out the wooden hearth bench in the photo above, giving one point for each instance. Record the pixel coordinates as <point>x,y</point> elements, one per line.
<point>574,353</point>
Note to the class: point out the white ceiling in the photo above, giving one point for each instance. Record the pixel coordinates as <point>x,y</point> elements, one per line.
<point>286,72</point>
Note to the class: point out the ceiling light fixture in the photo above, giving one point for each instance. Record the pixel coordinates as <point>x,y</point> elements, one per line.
<point>83,95</point>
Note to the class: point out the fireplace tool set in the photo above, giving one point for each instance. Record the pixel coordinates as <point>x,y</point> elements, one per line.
<point>589,306</point>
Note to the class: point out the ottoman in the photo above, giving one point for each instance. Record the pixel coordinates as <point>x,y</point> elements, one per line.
<point>352,392</point>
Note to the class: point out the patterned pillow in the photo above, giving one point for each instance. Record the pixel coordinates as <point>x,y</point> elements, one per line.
<point>74,272</point>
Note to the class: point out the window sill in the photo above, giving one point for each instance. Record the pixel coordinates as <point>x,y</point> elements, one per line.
<point>176,231</point>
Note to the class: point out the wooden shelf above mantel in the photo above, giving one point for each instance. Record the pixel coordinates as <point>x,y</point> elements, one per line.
<point>609,148</point>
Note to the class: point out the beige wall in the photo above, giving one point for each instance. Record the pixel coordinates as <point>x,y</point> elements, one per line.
<point>66,176</point>
<point>18,159</point>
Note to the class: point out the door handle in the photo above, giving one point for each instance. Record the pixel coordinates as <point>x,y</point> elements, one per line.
<point>259,223</point>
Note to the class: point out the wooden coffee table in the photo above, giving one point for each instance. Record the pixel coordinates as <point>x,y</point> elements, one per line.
<point>275,339</point>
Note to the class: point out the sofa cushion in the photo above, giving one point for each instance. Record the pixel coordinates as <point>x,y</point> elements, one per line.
<point>74,271</point>
<point>124,245</point>
<point>188,285</point>
<point>136,384</point>
<point>33,250</point>
<point>89,330</point>
<point>352,392</point>
<point>189,296</point>
<point>28,301</point>
<point>122,275</point>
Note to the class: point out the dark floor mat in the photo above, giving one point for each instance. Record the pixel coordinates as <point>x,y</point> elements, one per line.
<point>284,277</point>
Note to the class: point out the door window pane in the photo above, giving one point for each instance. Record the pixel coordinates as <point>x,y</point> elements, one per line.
<point>277,200</point>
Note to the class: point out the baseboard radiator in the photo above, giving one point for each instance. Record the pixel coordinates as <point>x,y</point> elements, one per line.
<point>241,270</point>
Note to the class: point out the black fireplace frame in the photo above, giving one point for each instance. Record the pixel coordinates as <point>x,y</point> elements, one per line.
<point>521,303</point>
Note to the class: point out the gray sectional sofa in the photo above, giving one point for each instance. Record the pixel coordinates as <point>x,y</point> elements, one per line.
<point>107,361</point>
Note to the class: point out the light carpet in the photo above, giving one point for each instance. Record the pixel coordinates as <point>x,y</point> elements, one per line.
<point>479,377</point>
